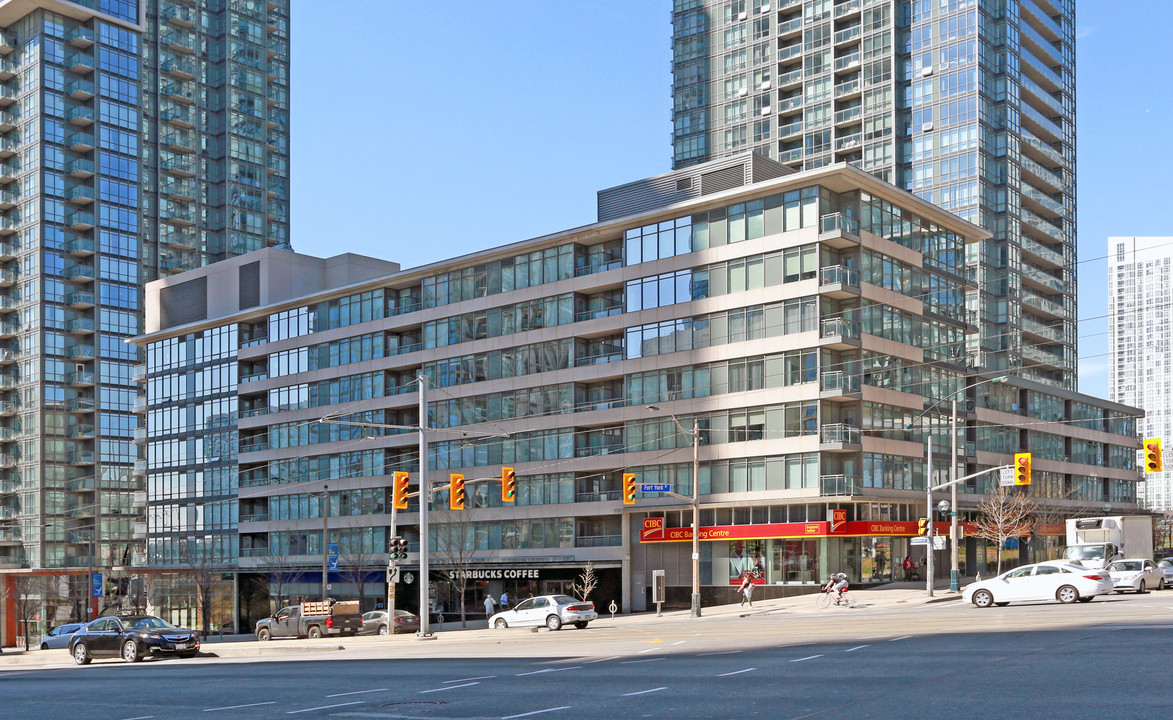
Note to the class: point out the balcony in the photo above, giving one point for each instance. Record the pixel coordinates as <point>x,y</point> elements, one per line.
<point>79,378</point>
<point>9,119</point>
<point>140,435</point>
<point>81,63</point>
<point>80,326</point>
<point>839,333</point>
<point>179,237</point>
<point>848,35</point>
<point>847,62</point>
<point>1044,279</point>
<point>80,273</point>
<point>140,405</point>
<point>1044,200</point>
<point>83,483</point>
<point>80,404</point>
<point>840,436</point>
<point>1052,179</point>
<point>790,130</point>
<point>846,9</point>
<point>848,142</point>
<point>179,41</point>
<point>80,168</point>
<point>80,37</point>
<point>175,214</point>
<point>177,16</point>
<point>9,170</point>
<point>80,299</point>
<point>7,304</point>
<point>8,278</point>
<point>1046,333</point>
<point>7,382</point>
<point>789,52</point>
<point>183,142</point>
<point>848,116</point>
<point>80,352</point>
<point>179,166</point>
<point>838,282</point>
<point>80,194</point>
<point>79,140</point>
<point>83,431</point>
<point>1043,306</point>
<point>8,408</point>
<point>176,68</point>
<point>80,116</point>
<point>1048,255</point>
<point>8,250</point>
<point>179,92</point>
<point>80,457</point>
<point>839,385</point>
<point>792,78</point>
<point>840,485</point>
<point>139,373</point>
<point>1043,357</point>
<point>79,247</point>
<point>9,460</point>
<point>177,115</point>
<point>9,330</point>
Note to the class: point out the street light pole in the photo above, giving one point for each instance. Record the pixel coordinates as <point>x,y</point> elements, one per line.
<point>929,523</point>
<point>695,500</point>
<point>325,537</point>
<point>954,572</point>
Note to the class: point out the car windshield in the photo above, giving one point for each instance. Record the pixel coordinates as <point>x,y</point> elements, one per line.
<point>1125,566</point>
<point>1084,552</point>
<point>564,600</point>
<point>148,623</point>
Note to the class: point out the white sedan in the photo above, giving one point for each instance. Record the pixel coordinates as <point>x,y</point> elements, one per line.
<point>553,611</point>
<point>1041,581</point>
<point>1136,574</point>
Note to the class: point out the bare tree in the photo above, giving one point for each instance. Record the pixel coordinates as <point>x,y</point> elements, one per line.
<point>354,568</point>
<point>278,572</point>
<point>1005,514</point>
<point>204,573</point>
<point>453,538</point>
<point>587,582</point>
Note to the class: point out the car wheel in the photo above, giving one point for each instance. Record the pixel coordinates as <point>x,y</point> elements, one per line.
<point>81,654</point>
<point>500,624</point>
<point>130,651</point>
<point>46,647</point>
<point>581,624</point>
<point>554,622</point>
<point>263,634</point>
<point>1140,588</point>
<point>1161,584</point>
<point>1067,594</point>
<point>315,632</point>
<point>382,629</point>
<point>983,598</point>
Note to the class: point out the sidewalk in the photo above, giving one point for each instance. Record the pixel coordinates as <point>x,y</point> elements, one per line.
<point>891,595</point>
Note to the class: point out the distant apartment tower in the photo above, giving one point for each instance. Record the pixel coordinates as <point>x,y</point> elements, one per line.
<point>137,138</point>
<point>1140,343</point>
<point>969,105</point>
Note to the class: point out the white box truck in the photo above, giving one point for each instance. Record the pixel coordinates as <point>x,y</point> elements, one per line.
<point>1095,541</point>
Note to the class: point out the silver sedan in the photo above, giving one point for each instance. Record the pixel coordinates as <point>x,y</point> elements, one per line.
<point>58,637</point>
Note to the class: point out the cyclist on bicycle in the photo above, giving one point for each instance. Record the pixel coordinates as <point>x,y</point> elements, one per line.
<point>837,582</point>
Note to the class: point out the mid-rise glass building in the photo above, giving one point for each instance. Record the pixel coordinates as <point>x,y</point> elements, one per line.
<point>804,320</point>
<point>137,138</point>
<point>970,105</point>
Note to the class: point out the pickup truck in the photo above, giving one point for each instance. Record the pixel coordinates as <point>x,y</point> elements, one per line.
<point>312,620</point>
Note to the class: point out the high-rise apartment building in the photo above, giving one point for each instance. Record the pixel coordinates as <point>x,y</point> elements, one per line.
<point>1140,344</point>
<point>970,105</point>
<point>137,138</point>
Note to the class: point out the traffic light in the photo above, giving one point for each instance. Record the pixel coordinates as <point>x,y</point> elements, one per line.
<point>922,526</point>
<point>398,549</point>
<point>1152,455</point>
<point>629,488</point>
<point>455,492</point>
<point>508,484</point>
<point>400,490</point>
<point>1022,468</point>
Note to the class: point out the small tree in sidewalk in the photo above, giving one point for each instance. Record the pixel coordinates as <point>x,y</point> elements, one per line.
<point>587,582</point>
<point>1004,514</point>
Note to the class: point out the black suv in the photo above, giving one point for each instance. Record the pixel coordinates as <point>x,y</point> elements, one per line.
<point>132,638</point>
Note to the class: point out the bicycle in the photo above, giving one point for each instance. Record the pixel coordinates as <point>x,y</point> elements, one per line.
<point>827,598</point>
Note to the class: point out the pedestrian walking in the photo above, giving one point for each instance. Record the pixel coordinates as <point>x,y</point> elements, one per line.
<point>504,601</point>
<point>746,589</point>
<point>490,606</point>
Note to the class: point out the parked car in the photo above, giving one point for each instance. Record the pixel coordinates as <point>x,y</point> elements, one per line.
<point>1165,567</point>
<point>131,638</point>
<point>1041,581</point>
<point>553,611</point>
<point>375,623</point>
<point>1136,574</point>
<point>58,637</point>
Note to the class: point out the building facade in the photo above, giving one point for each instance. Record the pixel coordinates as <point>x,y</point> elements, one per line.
<point>804,321</point>
<point>1140,344</point>
<point>137,139</point>
<point>970,105</point>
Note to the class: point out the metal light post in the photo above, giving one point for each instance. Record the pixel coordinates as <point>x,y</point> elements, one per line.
<point>325,538</point>
<point>695,605</point>
<point>954,570</point>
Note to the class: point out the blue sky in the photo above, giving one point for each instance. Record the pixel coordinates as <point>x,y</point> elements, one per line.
<point>423,131</point>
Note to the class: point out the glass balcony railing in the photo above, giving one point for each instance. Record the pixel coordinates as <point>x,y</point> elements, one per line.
<point>1051,177</point>
<point>1046,124</point>
<point>838,275</point>
<point>1035,247</point>
<point>839,433</point>
<point>839,327</point>
<point>838,221</point>
<point>847,61</point>
<point>79,325</point>
<point>1041,225</point>
<point>1043,148</point>
<point>839,380</point>
<point>1043,199</point>
<point>830,485</point>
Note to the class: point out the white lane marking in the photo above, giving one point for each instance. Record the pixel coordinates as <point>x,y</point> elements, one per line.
<point>641,652</point>
<point>324,707</point>
<point>357,692</point>
<point>141,717</point>
<point>727,652</point>
<point>481,677</point>
<point>808,657</point>
<point>449,687</point>
<point>737,672</point>
<point>645,692</point>
<point>613,657</point>
<point>902,637</point>
<point>237,707</point>
<point>547,670</point>
<point>679,642</point>
<point>874,637</point>
<point>535,712</point>
<point>630,662</point>
<point>857,647</point>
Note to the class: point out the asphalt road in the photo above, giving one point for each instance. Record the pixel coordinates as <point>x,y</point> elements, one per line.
<point>1105,659</point>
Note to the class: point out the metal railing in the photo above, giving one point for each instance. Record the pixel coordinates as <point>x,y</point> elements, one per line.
<point>839,327</point>
<point>839,380</point>
<point>840,485</point>
<point>838,275</point>
<point>839,221</point>
<point>839,433</point>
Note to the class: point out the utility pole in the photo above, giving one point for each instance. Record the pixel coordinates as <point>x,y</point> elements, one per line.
<point>425,499</point>
<point>325,538</point>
